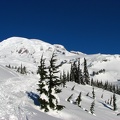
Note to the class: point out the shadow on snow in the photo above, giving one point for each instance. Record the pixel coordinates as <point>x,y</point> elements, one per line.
<point>34,97</point>
<point>107,106</point>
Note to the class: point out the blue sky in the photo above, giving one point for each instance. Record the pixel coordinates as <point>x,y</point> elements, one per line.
<point>89,26</point>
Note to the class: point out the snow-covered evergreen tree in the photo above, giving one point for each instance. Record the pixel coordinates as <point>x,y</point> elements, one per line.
<point>53,83</point>
<point>93,93</point>
<point>114,102</point>
<point>42,83</point>
<point>92,107</point>
<point>78,100</point>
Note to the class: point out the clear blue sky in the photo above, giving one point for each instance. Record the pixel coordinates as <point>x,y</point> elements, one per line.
<point>89,26</point>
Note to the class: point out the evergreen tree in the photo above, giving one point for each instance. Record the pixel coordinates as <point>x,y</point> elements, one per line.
<point>92,107</point>
<point>78,100</point>
<point>64,79</point>
<point>79,74</point>
<point>92,82</point>
<point>114,102</point>
<point>110,87</point>
<point>71,73</point>
<point>113,88</point>
<point>111,100</point>
<point>118,90</point>
<point>21,70</point>
<point>93,93</point>
<point>108,101</point>
<point>9,66</point>
<point>86,74</point>
<point>106,85</point>
<point>18,69</point>
<point>74,72</point>
<point>42,83</point>
<point>68,76</point>
<point>81,78</point>
<point>101,84</point>
<point>24,70</point>
<point>53,84</point>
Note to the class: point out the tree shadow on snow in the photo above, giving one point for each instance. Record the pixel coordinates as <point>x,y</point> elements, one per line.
<point>107,106</point>
<point>34,97</point>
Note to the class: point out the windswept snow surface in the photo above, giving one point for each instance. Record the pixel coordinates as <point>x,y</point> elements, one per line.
<point>18,95</point>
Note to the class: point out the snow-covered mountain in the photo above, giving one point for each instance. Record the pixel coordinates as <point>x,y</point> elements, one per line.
<point>18,92</point>
<point>17,50</point>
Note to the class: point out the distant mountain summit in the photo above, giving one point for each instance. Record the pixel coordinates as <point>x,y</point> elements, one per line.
<point>18,50</point>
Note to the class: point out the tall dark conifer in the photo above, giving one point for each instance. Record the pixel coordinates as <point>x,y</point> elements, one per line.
<point>53,84</point>
<point>68,76</point>
<point>75,72</point>
<point>86,74</point>
<point>64,79</point>
<point>114,102</point>
<point>92,107</point>
<point>93,93</point>
<point>79,74</point>
<point>78,100</point>
<point>71,73</point>
<point>41,85</point>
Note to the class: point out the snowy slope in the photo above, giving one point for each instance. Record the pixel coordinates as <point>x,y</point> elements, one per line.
<point>19,101</point>
<point>15,103</point>
<point>18,92</point>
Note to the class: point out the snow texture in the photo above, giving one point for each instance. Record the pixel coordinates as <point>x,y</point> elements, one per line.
<point>18,95</point>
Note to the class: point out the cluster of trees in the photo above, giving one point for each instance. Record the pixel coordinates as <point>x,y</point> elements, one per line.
<point>109,87</point>
<point>48,85</point>
<point>79,100</point>
<point>21,69</point>
<point>111,101</point>
<point>76,74</point>
<point>106,86</point>
<point>96,73</point>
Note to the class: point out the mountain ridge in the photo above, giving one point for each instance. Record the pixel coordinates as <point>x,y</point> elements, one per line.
<point>17,50</point>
